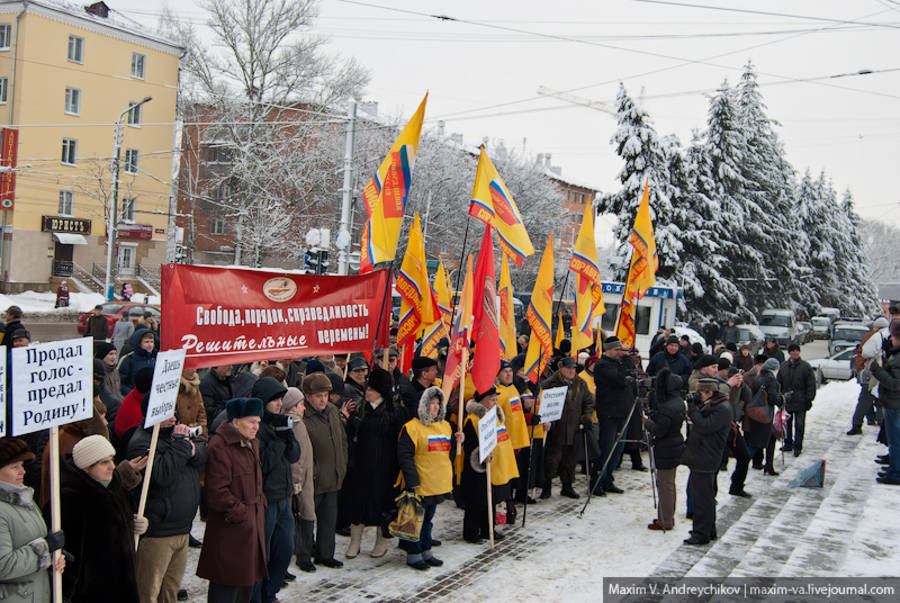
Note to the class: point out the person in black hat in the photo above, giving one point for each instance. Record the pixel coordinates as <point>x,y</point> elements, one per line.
<point>710,426</point>
<point>564,435</point>
<point>671,357</point>
<point>14,317</point>
<point>798,385</point>
<point>355,383</point>
<point>399,378</point>
<point>615,397</point>
<point>424,372</point>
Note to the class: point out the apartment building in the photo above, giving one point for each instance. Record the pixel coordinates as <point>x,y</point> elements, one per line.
<point>68,74</point>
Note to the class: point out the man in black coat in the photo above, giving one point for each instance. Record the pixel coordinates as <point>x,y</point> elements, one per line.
<point>798,386</point>
<point>424,372</point>
<point>710,426</point>
<point>216,389</point>
<point>671,357</point>
<point>664,426</point>
<point>278,448</point>
<point>615,399</point>
<point>172,502</point>
<point>564,434</point>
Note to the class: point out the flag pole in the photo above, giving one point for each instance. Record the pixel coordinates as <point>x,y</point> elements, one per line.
<point>624,291</point>
<point>490,505</point>
<point>535,410</point>
<point>462,256</point>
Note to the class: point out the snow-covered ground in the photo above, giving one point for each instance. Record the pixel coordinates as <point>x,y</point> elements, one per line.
<point>848,528</point>
<point>33,301</point>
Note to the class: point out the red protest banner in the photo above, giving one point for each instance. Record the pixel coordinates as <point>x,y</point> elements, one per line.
<point>232,315</point>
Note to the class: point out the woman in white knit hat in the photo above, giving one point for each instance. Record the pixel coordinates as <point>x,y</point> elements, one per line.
<point>99,526</point>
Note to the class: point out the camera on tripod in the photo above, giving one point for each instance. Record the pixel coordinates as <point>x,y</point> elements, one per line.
<point>643,388</point>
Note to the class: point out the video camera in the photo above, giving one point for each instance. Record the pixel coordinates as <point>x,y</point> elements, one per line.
<point>643,388</point>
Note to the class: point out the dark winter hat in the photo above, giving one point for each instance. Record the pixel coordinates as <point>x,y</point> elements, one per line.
<point>15,311</point>
<point>143,379</point>
<point>707,360</point>
<point>102,348</point>
<point>423,362</point>
<point>479,396</point>
<point>314,366</point>
<point>685,338</point>
<point>517,362</point>
<point>358,364</point>
<point>724,363</point>
<point>337,384</point>
<point>672,339</point>
<point>760,358</point>
<point>707,385</point>
<point>99,370</point>
<point>238,408</point>
<point>611,343</point>
<point>443,342</point>
<point>18,333</point>
<point>793,347</point>
<point>13,450</point>
<point>316,383</point>
<point>731,346</point>
<point>381,381</point>
<point>565,346</point>
<point>98,307</point>
<point>697,348</point>
<point>504,364</point>
<point>771,365</point>
<point>267,389</point>
<point>567,362</point>
<point>292,398</point>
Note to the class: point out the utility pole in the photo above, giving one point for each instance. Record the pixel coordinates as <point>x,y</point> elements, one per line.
<point>171,243</point>
<point>109,283</point>
<point>346,198</point>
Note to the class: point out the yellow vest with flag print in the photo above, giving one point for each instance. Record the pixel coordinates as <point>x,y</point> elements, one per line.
<point>592,388</point>
<point>432,456</point>
<point>538,433</point>
<point>503,463</point>
<point>511,404</point>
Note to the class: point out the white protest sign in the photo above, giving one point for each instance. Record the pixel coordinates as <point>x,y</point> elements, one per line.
<point>552,402</point>
<point>487,434</point>
<point>164,391</point>
<point>52,384</point>
<point>2,390</point>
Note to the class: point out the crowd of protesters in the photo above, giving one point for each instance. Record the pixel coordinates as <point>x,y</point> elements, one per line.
<point>278,457</point>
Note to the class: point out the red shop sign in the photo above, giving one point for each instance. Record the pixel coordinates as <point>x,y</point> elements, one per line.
<point>233,315</point>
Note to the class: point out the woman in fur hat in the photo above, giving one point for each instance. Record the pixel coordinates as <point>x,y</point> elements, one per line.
<point>25,542</point>
<point>473,484</point>
<point>423,453</point>
<point>373,434</point>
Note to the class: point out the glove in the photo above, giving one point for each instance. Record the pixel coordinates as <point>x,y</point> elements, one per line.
<point>587,422</point>
<point>55,540</point>
<point>535,419</point>
<point>279,422</point>
<point>140,524</point>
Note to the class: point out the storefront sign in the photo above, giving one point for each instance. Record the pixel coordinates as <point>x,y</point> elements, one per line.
<point>135,231</point>
<point>64,224</point>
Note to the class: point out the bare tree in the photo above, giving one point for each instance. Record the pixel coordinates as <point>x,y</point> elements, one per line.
<point>881,243</point>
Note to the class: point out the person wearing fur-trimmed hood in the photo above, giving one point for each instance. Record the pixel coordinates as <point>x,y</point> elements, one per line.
<point>423,453</point>
<point>473,485</point>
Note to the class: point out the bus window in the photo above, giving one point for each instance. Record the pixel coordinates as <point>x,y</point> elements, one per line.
<point>642,320</point>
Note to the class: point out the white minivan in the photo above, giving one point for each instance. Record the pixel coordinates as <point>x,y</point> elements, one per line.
<point>781,325</point>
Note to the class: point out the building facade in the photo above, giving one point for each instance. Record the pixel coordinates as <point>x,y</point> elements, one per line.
<point>67,74</point>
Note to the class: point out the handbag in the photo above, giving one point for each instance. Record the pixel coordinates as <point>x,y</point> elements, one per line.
<point>410,517</point>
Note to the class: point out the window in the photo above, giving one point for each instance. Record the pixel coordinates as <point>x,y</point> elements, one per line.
<point>69,151</point>
<point>131,161</point>
<point>73,101</point>
<point>4,83</point>
<point>66,199</point>
<point>221,193</point>
<point>217,225</point>
<point>134,114</point>
<point>137,65</point>
<point>128,209</point>
<point>217,153</point>
<point>5,35</point>
<point>76,49</point>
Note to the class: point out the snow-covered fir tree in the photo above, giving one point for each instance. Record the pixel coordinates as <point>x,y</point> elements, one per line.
<point>859,297</point>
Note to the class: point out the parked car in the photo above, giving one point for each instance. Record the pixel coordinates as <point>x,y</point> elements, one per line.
<point>806,331</point>
<point>846,335</point>
<point>835,367</point>
<point>113,311</point>
<point>821,326</point>
<point>750,335</point>
<point>781,325</point>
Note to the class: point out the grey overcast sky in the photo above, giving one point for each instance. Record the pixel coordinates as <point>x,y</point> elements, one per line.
<point>483,70</point>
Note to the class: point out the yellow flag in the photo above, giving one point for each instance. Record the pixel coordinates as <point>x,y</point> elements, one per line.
<point>560,331</point>
<point>385,196</point>
<point>589,289</point>
<point>416,306</point>
<point>641,270</point>
<point>507,314</point>
<point>493,204</point>
<point>442,295</point>
<point>538,314</point>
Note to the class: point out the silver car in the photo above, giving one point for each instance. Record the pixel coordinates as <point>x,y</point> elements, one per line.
<point>836,367</point>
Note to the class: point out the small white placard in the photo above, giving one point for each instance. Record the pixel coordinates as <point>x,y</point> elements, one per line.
<point>487,434</point>
<point>164,391</point>
<point>52,384</point>
<point>553,401</point>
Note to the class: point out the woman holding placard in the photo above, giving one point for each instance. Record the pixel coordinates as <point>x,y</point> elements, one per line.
<point>25,547</point>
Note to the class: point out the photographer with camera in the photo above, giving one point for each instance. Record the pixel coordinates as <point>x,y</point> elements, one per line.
<point>172,503</point>
<point>710,420</point>
<point>278,449</point>
<point>798,382</point>
<point>664,426</point>
<point>615,398</point>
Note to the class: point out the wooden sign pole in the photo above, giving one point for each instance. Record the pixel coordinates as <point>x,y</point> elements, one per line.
<point>490,506</point>
<point>148,471</point>
<point>55,510</point>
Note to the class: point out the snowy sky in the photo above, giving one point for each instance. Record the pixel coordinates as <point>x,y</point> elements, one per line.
<point>484,75</point>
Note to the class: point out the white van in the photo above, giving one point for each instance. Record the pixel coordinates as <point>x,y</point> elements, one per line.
<point>780,324</point>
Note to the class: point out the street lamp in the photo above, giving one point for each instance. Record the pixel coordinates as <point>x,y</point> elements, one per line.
<point>112,218</point>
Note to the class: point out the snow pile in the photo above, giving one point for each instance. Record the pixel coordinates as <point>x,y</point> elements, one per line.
<point>33,301</point>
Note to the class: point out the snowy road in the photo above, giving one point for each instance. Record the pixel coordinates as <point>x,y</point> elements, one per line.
<point>848,528</point>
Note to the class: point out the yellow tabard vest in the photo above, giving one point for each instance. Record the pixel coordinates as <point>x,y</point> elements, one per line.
<point>468,388</point>
<point>511,404</point>
<point>432,456</point>
<point>503,463</point>
<point>592,388</point>
<point>538,429</point>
